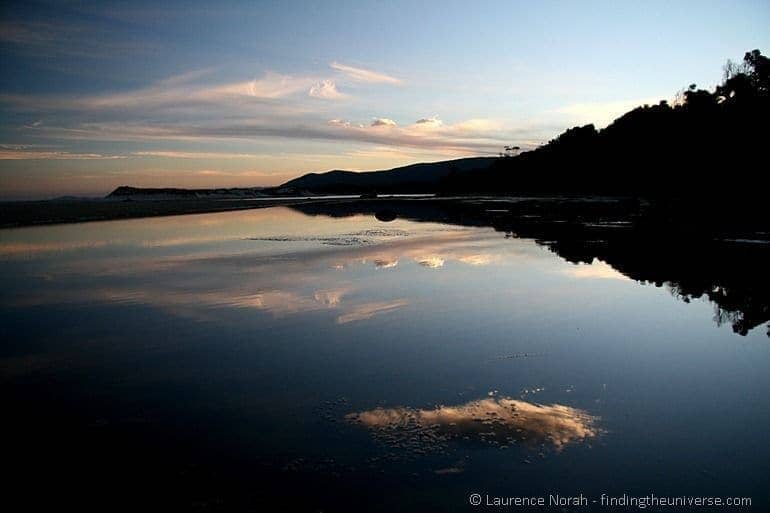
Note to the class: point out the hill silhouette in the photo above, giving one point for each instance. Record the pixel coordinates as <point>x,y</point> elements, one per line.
<point>705,144</point>
<point>415,178</point>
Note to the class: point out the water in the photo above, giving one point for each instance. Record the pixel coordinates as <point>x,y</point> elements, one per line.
<point>267,357</point>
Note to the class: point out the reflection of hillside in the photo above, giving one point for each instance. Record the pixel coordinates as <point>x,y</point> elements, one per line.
<point>693,258</point>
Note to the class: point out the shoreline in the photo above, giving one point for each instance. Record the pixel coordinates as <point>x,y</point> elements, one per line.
<point>23,214</point>
<point>27,213</point>
<point>744,221</point>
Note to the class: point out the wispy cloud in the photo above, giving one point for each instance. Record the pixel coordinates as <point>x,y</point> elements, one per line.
<point>433,122</point>
<point>386,152</point>
<point>195,155</point>
<point>365,75</point>
<point>174,92</point>
<point>327,90</point>
<point>271,85</point>
<point>383,122</point>
<point>11,152</point>
<point>190,107</point>
<point>21,154</point>
<point>471,137</point>
<point>474,136</point>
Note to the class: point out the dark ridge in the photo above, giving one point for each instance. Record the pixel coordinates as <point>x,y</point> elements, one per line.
<point>415,178</point>
<point>706,144</point>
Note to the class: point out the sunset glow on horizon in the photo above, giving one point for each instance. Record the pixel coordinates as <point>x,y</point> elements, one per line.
<point>94,95</point>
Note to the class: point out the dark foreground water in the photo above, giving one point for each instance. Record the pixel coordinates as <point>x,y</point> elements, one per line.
<point>268,360</point>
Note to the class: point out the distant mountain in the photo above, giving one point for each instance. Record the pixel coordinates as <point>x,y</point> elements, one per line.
<point>125,192</point>
<point>414,178</point>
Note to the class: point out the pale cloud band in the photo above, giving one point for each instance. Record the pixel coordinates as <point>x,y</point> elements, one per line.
<point>471,137</point>
<point>199,107</point>
<point>190,108</point>
<point>23,154</point>
<point>365,75</point>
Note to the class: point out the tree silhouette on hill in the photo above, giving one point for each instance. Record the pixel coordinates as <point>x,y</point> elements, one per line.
<point>706,144</point>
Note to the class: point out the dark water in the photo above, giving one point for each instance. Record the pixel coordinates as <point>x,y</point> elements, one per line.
<point>270,360</point>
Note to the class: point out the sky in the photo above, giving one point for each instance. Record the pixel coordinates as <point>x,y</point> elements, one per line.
<point>94,95</point>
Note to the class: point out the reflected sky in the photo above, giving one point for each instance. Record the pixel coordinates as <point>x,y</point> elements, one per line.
<point>467,355</point>
<point>271,262</point>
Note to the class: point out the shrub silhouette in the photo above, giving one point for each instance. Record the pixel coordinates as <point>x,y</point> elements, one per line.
<point>708,145</point>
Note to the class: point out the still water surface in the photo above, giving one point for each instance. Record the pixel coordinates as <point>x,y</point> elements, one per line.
<point>239,359</point>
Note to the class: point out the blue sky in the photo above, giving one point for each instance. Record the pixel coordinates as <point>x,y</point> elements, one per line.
<point>99,94</point>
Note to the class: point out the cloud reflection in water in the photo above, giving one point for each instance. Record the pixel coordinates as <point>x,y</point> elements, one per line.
<point>499,420</point>
<point>368,310</point>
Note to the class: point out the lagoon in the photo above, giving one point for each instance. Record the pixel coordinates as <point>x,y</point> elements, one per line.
<point>315,360</point>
